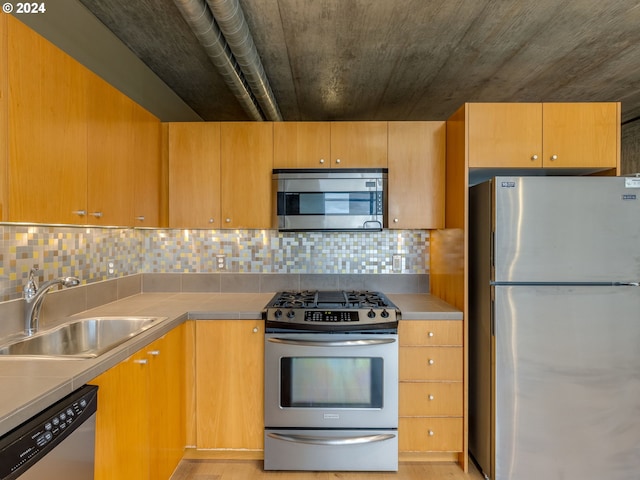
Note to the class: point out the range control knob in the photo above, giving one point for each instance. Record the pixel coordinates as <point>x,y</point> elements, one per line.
<point>371,314</point>
<point>277,313</point>
<point>291,314</point>
<point>384,314</point>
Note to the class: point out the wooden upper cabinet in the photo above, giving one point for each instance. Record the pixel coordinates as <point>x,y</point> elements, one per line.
<point>194,175</point>
<point>73,140</point>
<point>301,145</point>
<point>111,159</point>
<point>505,135</point>
<point>581,135</point>
<point>4,119</point>
<point>547,135</point>
<point>416,175</point>
<point>359,144</point>
<point>246,155</point>
<point>47,131</point>
<point>147,170</point>
<point>330,144</point>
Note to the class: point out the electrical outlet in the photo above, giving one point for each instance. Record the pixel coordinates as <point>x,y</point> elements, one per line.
<point>398,263</point>
<point>222,262</point>
<point>111,268</point>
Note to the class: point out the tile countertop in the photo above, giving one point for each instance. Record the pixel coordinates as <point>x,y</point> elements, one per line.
<point>30,385</point>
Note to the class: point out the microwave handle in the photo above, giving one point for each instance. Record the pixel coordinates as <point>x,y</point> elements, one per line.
<point>377,225</point>
<point>332,343</point>
<point>334,441</point>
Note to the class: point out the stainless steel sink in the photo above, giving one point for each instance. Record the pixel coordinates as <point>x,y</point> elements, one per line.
<point>86,338</point>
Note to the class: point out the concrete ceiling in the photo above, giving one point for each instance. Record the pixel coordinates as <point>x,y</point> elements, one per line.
<point>399,59</point>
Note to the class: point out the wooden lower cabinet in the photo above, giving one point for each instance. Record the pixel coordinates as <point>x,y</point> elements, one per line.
<point>229,384</point>
<point>431,390</point>
<point>140,422</point>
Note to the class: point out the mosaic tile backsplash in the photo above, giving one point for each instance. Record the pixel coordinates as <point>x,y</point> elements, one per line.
<point>85,252</point>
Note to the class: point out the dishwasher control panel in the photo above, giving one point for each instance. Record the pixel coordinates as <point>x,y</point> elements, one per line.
<point>27,443</point>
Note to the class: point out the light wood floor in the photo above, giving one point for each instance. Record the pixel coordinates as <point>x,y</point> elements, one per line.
<point>204,469</point>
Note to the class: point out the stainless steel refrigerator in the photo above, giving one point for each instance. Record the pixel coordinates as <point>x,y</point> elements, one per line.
<point>554,328</point>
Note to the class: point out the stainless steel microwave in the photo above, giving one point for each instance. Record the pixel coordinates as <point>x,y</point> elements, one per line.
<point>337,199</point>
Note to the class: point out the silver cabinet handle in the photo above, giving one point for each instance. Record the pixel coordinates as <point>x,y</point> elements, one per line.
<point>395,220</point>
<point>80,213</point>
<point>554,157</point>
<point>155,353</point>
<point>431,433</point>
<point>314,440</point>
<point>431,361</point>
<point>228,220</point>
<point>338,160</point>
<point>431,334</point>
<point>322,160</point>
<point>211,220</point>
<point>141,361</point>
<point>534,158</point>
<point>332,343</point>
<point>140,218</point>
<point>96,214</point>
<point>255,330</point>
<point>430,397</point>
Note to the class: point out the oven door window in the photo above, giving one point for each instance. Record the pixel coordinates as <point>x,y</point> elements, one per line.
<point>331,382</point>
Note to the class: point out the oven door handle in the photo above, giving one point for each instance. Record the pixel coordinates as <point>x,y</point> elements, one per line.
<point>333,343</point>
<point>334,441</point>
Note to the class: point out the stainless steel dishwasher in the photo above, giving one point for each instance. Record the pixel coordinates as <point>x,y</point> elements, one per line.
<point>56,444</point>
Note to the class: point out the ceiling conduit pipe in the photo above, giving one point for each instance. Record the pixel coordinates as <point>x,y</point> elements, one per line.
<point>230,19</point>
<point>201,21</point>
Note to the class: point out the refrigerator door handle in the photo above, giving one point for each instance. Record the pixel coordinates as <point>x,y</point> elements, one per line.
<point>493,315</point>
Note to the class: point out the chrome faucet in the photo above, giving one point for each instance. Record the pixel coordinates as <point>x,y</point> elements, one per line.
<point>34,296</point>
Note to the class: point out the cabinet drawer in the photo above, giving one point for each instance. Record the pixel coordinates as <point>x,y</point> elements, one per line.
<point>430,363</point>
<point>430,434</point>
<point>430,332</point>
<point>427,399</point>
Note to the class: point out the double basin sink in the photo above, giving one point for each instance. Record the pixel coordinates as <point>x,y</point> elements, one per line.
<point>85,338</point>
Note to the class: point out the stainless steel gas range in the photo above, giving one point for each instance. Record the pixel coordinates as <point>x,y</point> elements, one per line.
<point>331,381</point>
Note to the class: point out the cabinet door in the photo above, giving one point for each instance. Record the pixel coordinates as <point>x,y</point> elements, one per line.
<point>416,174</point>
<point>194,175</point>
<point>301,145</point>
<point>47,138</point>
<point>4,118</point>
<point>167,402</point>
<point>148,188</point>
<point>581,135</point>
<point>110,144</point>
<point>359,144</point>
<point>505,135</point>
<point>122,421</point>
<point>230,384</point>
<point>246,170</point>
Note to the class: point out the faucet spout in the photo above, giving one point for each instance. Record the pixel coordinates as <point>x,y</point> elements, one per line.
<point>34,297</point>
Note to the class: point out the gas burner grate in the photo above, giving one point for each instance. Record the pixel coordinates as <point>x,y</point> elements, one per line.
<point>330,299</point>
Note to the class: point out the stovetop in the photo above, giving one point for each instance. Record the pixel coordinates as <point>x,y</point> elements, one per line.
<point>328,311</point>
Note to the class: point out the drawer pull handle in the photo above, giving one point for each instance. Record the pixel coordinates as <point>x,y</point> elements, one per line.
<point>431,361</point>
<point>431,397</point>
<point>155,353</point>
<point>431,433</point>
<point>431,334</point>
<point>142,361</point>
